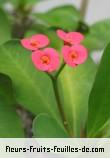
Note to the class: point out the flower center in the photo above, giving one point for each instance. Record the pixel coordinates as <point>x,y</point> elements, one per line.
<point>69,40</point>
<point>34,43</point>
<point>67,43</point>
<point>73,55</point>
<point>45,59</point>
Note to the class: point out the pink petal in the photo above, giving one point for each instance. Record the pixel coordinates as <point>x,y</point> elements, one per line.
<point>74,37</point>
<point>54,59</point>
<point>41,39</point>
<point>82,53</point>
<point>37,62</point>
<point>80,50</point>
<point>26,44</point>
<point>61,34</point>
<point>65,51</point>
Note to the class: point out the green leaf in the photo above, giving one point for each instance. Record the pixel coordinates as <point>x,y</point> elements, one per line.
<point>99,35</point>
<point>5,28</point>
<point>55,41</point>
<point>106,130</point>
<point>65,17</point>
<point>10,125</point>
<point>74,86</point>
<point>99,101</point>
<point>33,89</point>
<point>35,29</point>
<point>45,126</point>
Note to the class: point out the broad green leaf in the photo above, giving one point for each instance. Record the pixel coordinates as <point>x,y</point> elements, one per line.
<point>65,17</point>
<point>75,85</point>
<point>106,130</point>
<point>99,101</point>
<point>5,28</point>
<point>35,29</point>
<point>10,125</point>
<point>99,35</point>
<point>32,88</point>
<point>45,126</point>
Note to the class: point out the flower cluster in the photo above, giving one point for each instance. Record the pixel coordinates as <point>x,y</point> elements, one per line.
<point>48,59</point>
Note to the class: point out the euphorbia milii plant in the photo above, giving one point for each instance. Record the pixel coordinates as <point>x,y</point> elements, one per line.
<point>48,59</point>
<point>46,70</point>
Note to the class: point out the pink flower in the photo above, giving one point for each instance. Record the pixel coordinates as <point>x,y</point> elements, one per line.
<point>74,55</point>
<point>35,42</point>
<point>70,38</point>
<point>46,60</point>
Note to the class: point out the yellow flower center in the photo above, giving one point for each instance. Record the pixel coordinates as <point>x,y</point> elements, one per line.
<point>73,55</point>
<point>45,59</point>
<point>34,43</point>
<point>69,40</point>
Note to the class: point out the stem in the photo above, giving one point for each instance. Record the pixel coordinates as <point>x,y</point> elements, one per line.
<point>22,21</point>
<point>83,8</point>
<point>57,96</point>
<point>62,114</point>
<point>61,68</point>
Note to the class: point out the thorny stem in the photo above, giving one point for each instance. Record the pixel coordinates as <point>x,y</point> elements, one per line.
<point>57,96</point>
<point>83,8</point>
<point>22,21</point>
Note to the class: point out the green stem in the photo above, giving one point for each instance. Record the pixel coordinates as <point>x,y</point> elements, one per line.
<point>83,8</point>
<point>57,96</point>
<point>61,68</point>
